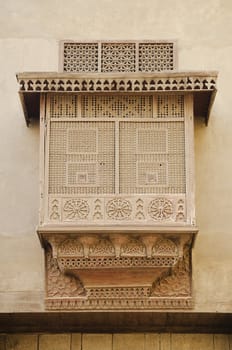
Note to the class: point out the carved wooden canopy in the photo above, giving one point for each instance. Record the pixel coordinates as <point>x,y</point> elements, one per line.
<point>117,215</point>
<point>201,84</point>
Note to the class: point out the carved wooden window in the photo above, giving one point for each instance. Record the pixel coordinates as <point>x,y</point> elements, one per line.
<point>100,146</point>
<point>117,214</point>
<point>118,162</point>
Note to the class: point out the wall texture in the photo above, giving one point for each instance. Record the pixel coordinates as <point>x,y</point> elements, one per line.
<point>30,32</point>
<point>139,341</point>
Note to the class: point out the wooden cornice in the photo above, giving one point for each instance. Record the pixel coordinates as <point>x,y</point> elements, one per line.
<point>201,84</point>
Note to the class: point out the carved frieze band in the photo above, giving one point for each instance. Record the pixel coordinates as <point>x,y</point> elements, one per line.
<point>81,263</point>
<point>116,245</point>
<point>89,251</point>
<point>118,304</point>
<point>157,209</point>
<point>98,84</point>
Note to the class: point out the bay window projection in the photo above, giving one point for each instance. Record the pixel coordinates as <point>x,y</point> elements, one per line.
<point>117,210</point>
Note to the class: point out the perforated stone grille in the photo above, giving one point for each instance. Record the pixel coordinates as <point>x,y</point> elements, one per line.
<point>156,57</point>
<point>80,57</point>
<point>116,57</point>
<point>116,106</point>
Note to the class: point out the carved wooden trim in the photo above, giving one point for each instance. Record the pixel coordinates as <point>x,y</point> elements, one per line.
<point>201,84</point>
<point>142,209</point>
<point>53,82</point>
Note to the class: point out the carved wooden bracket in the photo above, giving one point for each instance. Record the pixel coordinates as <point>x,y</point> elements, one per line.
<point>118,270</point>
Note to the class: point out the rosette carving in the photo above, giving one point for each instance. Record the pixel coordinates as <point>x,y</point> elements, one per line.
<point>160,209</point>
<point>118,209</point>
<point>76,209</point>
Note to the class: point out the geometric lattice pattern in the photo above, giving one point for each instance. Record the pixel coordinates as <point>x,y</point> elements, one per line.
<point>156,57</point>
<point>81,158</point>
<point>127,157</point>
<point>170,106</point>
<point>63,105</point>
<point>82,141</point>
<point>80,57</point>
<point>151,140</point>
<point>117,57</point>
<point>152,174</point>
<point>81,174</point>
<point>158,164</point>
<point>124,106</point>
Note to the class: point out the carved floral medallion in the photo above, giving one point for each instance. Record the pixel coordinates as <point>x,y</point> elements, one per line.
<point>160,209</point>
<point>119,209</point>
<point>76,209</point>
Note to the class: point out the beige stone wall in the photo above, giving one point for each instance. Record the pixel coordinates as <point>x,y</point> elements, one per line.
<point>138,341</point>
<point>30,31</point>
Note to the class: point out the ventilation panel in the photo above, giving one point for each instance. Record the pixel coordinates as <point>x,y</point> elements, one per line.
<point>80,57</point>
<point>118,57</point>
<point>156,57</point>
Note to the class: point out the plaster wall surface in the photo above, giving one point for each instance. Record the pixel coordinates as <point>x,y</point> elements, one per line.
<point>29,37</point>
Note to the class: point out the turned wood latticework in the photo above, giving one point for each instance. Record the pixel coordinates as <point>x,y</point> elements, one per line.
<point>117,216</point>
<point>132,147</point>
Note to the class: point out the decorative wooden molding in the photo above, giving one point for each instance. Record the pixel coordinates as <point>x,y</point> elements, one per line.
<point>143,209</point>
<point>68,82</point>
<point>202,84</point>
